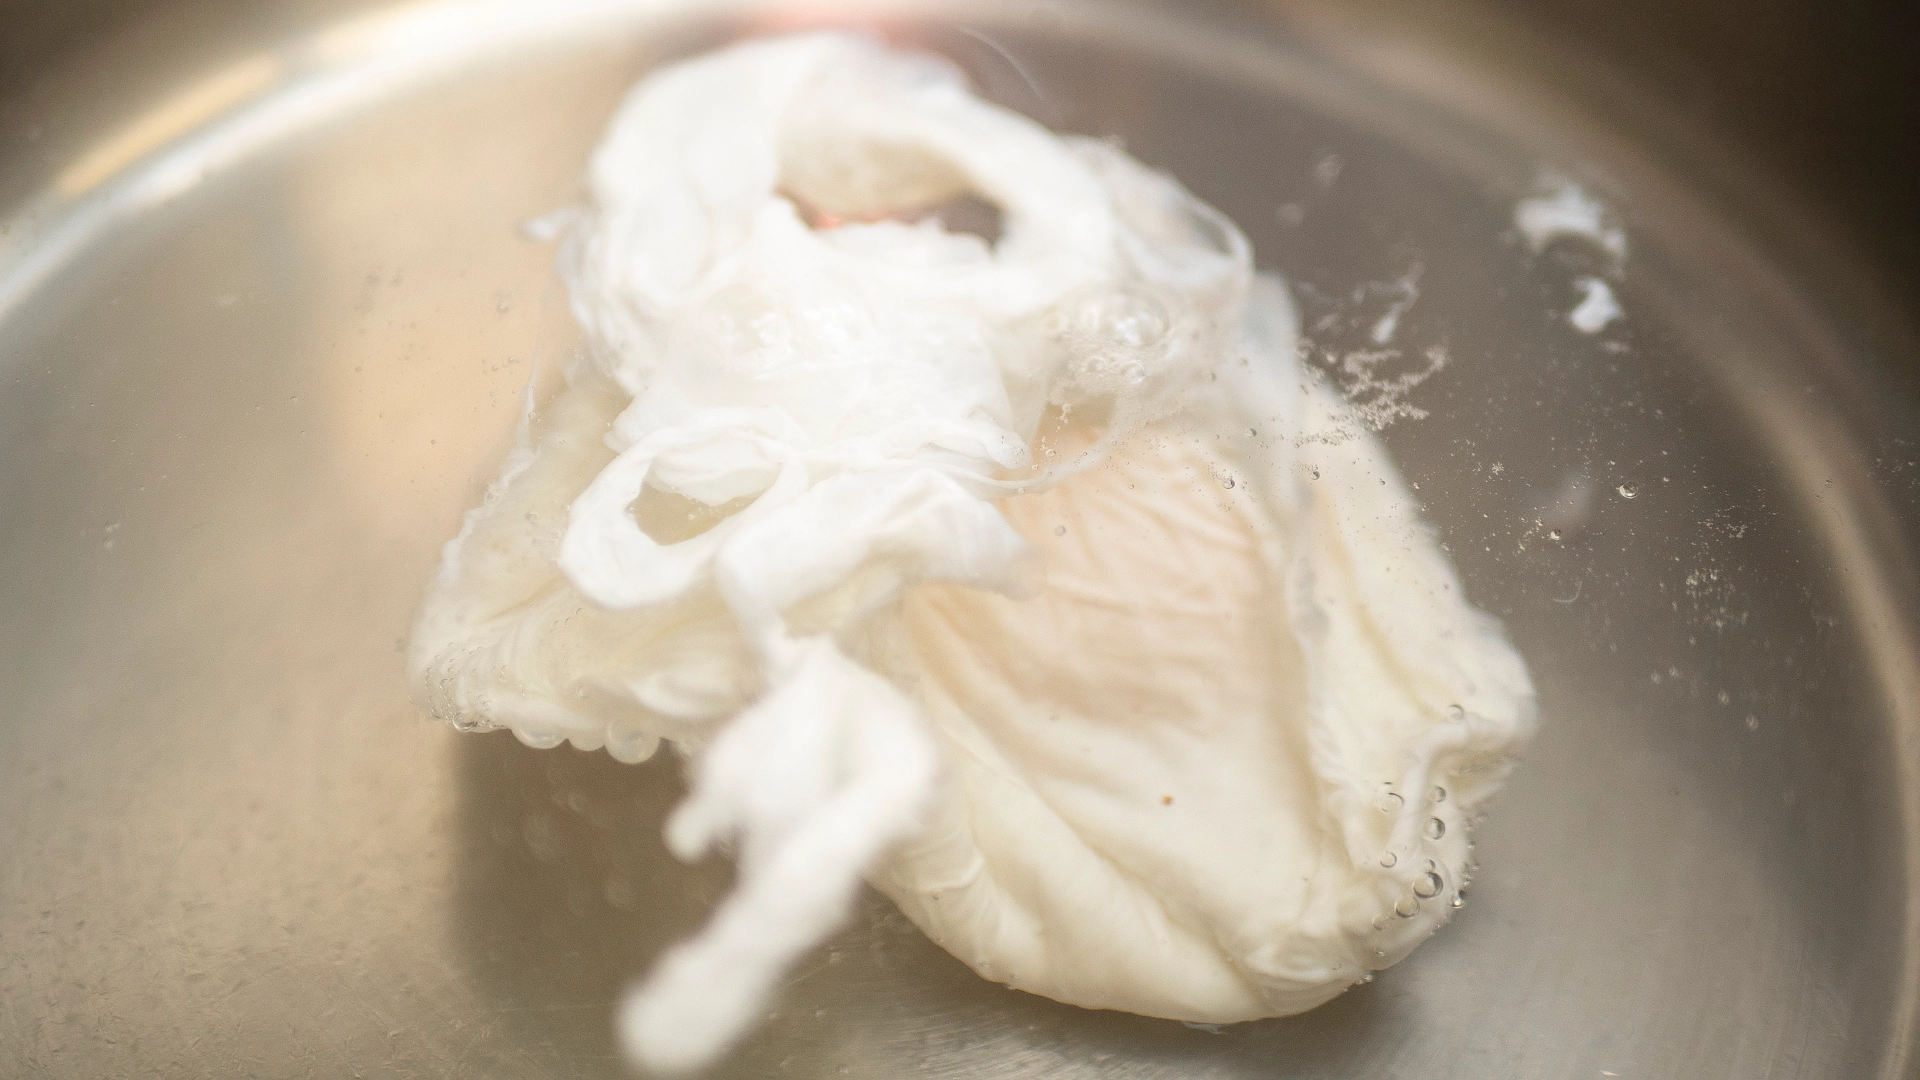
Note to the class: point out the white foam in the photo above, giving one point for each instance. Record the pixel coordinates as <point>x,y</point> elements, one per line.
<point>1597,308</point>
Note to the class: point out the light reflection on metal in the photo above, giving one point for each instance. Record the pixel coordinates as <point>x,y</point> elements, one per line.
<point>234,112</point>
<point>171,119</point>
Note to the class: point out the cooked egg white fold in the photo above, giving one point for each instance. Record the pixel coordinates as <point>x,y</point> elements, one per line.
<point>1033,581</point>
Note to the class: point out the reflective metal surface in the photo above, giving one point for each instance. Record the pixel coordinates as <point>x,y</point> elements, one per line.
<point>266,315</point>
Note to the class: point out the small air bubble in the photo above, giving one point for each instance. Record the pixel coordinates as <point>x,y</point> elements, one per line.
<point>1753,722</point>
<point>1253,433</point>
<point>1227,483</point>
<point>1628,491</point>
<point>1059,530</point>
<point>1367,978</point>
<point>1459,901</point>
<point>1427,885</point>
<point>1051,452</point>
<point>1316,474</point>
<point>1407,908</point>
<point>1389,860</point>
<point>1439,794</point>
<point>1391,801</point>
<point>1436,828</point>
<point>1456,712</point>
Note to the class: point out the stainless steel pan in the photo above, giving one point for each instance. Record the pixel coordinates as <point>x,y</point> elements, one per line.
<point>266,314</point>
